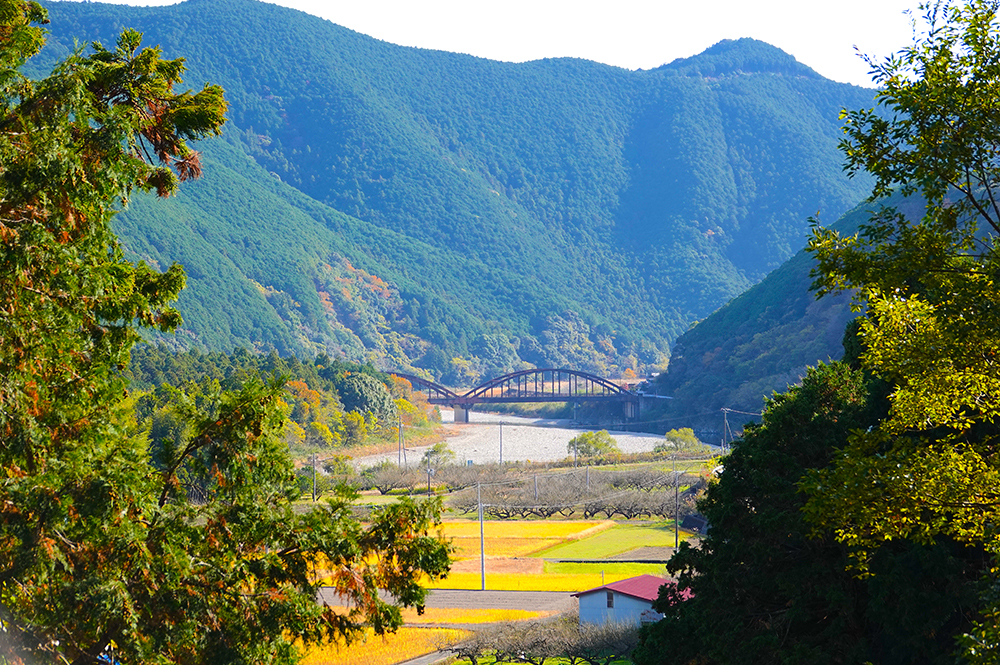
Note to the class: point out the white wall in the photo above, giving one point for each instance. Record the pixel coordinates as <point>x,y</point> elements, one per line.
<point>594,608</point>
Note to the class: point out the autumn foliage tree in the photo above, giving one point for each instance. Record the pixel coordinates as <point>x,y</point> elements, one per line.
<point>101,543</point>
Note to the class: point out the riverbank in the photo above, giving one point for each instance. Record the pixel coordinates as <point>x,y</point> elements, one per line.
<point>524,439</point>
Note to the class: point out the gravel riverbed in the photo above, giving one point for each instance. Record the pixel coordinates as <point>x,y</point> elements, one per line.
<point>534,439</point>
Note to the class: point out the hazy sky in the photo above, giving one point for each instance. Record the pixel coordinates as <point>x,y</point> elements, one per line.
<point>636,34</point>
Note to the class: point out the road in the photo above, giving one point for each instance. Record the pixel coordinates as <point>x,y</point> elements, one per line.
<point>536,601</point>
<point>524,439</point>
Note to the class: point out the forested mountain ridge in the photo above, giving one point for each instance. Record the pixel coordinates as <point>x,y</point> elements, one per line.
<point>763,341</point>
<point>467,216</point>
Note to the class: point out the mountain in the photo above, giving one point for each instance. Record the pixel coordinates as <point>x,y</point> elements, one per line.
<point>760,342</point>
<point>426,209</point>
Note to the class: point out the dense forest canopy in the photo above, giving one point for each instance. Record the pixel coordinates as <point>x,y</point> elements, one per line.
<point>760,342</point>
<point>428,210</point>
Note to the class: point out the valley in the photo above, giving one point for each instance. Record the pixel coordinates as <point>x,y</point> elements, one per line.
<point>461,218</point>
<point>247,477</point>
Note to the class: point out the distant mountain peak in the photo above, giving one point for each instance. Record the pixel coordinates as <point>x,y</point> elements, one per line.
<point>745,55</point>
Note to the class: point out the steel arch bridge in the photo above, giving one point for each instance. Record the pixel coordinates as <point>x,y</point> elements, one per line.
<point>530,385</point>
<point>436,393</point>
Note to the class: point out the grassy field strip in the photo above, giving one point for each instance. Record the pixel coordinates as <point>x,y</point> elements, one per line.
<point>593,531</point>
<point>557,576</point>
<point>403,645</point>
<point>618,540</point>
<point>568,582</point>
<point>617,570</point>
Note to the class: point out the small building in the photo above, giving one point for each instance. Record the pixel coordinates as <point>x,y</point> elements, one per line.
<point>629,601</point>
<point>695,522</point>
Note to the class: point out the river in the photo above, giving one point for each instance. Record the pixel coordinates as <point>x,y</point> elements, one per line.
<point>524,439</point>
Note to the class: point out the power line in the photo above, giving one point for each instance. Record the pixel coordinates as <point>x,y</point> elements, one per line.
<point>745,413</point>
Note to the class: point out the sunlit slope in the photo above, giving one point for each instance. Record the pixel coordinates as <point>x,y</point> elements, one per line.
<point>760,342</point>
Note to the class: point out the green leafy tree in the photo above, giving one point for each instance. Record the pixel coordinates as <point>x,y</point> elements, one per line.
<point>355,428</point>
<point>592,444</point>
<point>365,394</point>
<point>101,545</point>
<point>764,587</point>
<point>930,470</point>
<point>438,455</point>
<point>678,440</point>
<point>928,281</point>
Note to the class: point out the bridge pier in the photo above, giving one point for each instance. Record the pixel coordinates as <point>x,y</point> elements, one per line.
<point>632,410</point>
<point>461,413</point>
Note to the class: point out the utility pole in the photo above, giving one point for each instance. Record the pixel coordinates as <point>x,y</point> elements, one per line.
<point>399,442</point>
<point>482,539</point>
<point>501,443</point>
<point>677,528</point>
<point>314,476</point>
<point>725,431</point>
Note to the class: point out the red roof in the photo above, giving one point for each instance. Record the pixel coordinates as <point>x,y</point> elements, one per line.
<point>646,587</point>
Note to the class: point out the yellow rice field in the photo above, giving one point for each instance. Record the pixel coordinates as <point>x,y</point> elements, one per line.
<point>447,615</point>
<point>467,547</point>
<point>517,538</point>
<point>393,648</point>
<point>513,582</point>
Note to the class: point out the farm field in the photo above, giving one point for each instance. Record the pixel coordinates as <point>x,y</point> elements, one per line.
<point>617,540</point>
<point>508,538</point>
<point>564,582</point>
<point>518,552</point>
<point>393,648</point>
<point>610,569</point>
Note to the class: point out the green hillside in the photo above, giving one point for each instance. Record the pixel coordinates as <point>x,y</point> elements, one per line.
<point>418,208</point>
<point>758,343</point>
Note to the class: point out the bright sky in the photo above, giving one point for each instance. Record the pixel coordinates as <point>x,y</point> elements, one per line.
<point>635,34</point>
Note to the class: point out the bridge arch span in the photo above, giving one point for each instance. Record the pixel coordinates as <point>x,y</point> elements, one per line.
<point>548,384</point>
<point>435,391</point>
